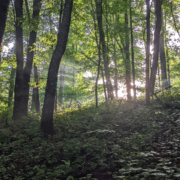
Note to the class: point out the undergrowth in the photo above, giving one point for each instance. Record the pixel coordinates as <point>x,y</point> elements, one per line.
<point>125,140</point>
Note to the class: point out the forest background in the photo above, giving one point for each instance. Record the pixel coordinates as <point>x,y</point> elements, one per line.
<point>114,49</point>
<point>89,89</point>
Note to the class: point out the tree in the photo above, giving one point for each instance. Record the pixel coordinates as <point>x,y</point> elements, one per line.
<point>35,98</point>
<point>132,52</point>
<point>17,112</point>
<point>127,59</point>
<point>147,52</point>
<point>4,5</point>
<point>104,48</point>
<point>63,31</point>
<point>23,74</point>
<point>156,43</point>
<point>162,56</point>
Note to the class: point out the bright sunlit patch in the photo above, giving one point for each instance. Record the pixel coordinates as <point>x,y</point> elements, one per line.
<point>7,48</point>
<point>122,90</point>
<point>87,74</point>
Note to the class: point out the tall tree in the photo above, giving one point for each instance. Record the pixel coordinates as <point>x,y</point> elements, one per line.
<point>35,99</point>
<point>162,56</point>
<point>22,95</point>
<point>132,52</point>
<point>156,43</point>
<point>11,87</point>
<point>30,53</point>
<point>4,4</point>
<point>99,61</point>
<point>167,54</point>
<point>17,111</point>
<point>147,52</point>
<point>63,31</point>
<point>127,59</point>
<point>104,48</point>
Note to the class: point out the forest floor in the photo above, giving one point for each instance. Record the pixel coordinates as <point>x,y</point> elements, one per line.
<point>125,140</point>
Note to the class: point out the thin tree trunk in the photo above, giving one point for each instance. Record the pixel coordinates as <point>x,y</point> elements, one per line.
<point>36,91</point>
<point>147,53</point>
<point>104,48</point>
<point>156,44</point>
<point>167,56</point>
<point>11,87</point>
<point>107,35</point>
<point>4,5</point>
<point>30,55</point>
<point>162,57</point>
<point>174,20</point>
<point>22,84</point>
<point>159,79</point>
<point>132,54</point>
<point>127,59</point>
<point>104,85</point>
<point>97,77</point>
<point>63,31</point>
<point>115,63</point>
<point>17,111</point>
<point>115,66</point>
<point>99,56</point>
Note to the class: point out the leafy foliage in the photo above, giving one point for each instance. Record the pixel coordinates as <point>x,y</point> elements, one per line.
<point>123,141</point>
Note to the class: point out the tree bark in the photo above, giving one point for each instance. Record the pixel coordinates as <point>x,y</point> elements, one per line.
<point>159,79</point>
<point>163,57</point>
<point>36,91</point>
<point>30,54</point>
<point>127,59</point>
<point>147,52</point>
<point>104,48</point>
<point>115,66</point>
<point>4,5</point>
<point>63,31</point>
<point>17,111</point>
<point>167,56</point>
<point>23,75</point>
<point>11,87</point>
<point>132,53</point>
<point>156,44</point>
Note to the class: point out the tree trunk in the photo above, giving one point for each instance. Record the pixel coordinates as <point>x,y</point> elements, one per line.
<point>167,56</point>
<point>30,55</point>
<point>22,84</point>
<point>55,102</point>
<point>156,44</point>
<point>11,87</point>
<point>17,111</point>
<point>162,57</point>
<point>115,66</point>
<point>36,91</point>
<point>159,79</point>
<point>127,60</point>
<point>147,52</point>
<point>104,48</point>
<point>99,62</point>
<point>115,63</point>
<point>63,31</point>
<point>132,54</point>
<point>4,4</point>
